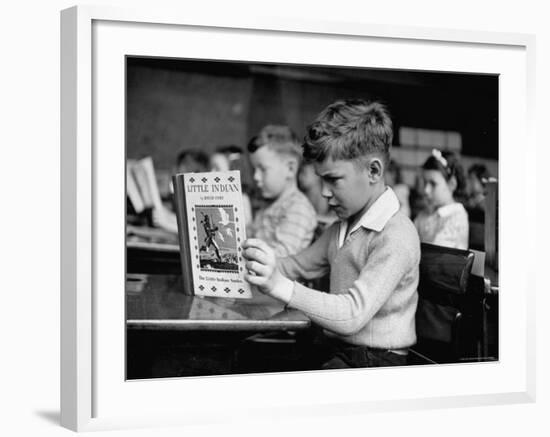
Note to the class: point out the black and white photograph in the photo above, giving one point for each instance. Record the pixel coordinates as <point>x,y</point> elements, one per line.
<point>370,215</point>
<point>389,160</point>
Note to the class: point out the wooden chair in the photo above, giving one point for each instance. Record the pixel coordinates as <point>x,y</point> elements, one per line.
<point>447,315</point>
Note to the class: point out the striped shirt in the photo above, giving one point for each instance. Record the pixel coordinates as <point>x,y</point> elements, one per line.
<point>287,224</point>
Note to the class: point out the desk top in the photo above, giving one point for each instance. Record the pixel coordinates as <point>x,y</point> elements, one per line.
<point>151,238</point>
<point>151,250</point>
<point>157,302</point>
<point>153,247</point>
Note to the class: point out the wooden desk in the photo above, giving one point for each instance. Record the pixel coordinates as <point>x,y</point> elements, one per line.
<point>151,250</point>
<point>146,234</point>
<point>172,334</point>
<point>161,305</point>
<point>152,258</point>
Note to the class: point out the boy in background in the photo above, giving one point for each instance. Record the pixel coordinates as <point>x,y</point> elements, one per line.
<point>191,160</point>
<point>372,252</point>
<point>288,222</point>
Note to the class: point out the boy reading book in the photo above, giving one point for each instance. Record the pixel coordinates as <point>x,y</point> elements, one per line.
<point>372,252</point>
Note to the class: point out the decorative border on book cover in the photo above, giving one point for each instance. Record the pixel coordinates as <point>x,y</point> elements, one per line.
<point>216,231</point>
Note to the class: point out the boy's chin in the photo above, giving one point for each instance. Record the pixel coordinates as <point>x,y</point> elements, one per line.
<point>268,195</point>
<point>341,213</point>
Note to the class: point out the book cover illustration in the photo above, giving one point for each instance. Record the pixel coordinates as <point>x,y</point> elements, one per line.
<point>211,231</point>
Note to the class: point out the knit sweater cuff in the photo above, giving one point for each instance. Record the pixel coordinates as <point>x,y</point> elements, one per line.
<point>299,298</point>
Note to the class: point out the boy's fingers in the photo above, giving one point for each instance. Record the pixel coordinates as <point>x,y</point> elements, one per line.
<point>254,280</point>
<point>256,243</point>
<point>248,243</point>
<point>257,268</point>
<point>254,254</point>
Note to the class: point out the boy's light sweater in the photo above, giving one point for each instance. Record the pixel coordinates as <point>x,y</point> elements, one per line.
<point>373,278</point>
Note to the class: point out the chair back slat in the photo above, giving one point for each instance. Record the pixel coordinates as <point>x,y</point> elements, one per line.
<point>444,270</point>
<point>444,277</point>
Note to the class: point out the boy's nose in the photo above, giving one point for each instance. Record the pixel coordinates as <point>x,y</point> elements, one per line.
<point>256,176</point>
<point>325,191</point>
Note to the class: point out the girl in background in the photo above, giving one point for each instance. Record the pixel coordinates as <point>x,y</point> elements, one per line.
<point>444,222</point>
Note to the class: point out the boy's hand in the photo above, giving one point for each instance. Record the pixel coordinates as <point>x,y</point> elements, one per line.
<point>262,265</point>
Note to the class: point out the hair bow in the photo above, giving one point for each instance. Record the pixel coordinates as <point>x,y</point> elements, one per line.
<point>437,155</point>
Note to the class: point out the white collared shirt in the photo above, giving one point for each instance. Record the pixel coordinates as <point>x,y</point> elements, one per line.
<point>374,218</point>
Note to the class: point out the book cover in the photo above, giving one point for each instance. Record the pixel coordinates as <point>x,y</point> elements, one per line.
<point>211,229</point>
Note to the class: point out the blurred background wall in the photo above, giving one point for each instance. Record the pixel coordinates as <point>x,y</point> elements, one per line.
<point>175,104</point>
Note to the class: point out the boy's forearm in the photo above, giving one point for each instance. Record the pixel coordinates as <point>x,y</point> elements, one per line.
<point>293,268</point>
<point>343,314</point>
<point>310,263</point>
<point>346,313</point>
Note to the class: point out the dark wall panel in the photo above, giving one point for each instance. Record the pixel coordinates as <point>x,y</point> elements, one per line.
<point>174,104</point>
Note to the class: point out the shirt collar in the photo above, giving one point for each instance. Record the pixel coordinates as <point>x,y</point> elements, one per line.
<point>447,210</point>
<point>376,217</point>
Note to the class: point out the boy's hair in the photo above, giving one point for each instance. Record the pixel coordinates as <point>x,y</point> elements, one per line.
<point>448,164</point>
<point>229,149</point>
<point>350,130</point>
<point>279,138</point>
<point>197,156</point>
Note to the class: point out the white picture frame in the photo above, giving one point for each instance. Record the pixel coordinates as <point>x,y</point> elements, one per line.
<point>93,396</point>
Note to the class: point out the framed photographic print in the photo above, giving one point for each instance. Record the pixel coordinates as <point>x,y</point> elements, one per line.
<point>147,95</point>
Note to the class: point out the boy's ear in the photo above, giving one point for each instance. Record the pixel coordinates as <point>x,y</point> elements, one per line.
<point>376,169</point>
<point>293,165</point>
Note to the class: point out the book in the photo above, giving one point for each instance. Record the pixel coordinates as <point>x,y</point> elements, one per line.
<point>132,190</point>
<point>211,230</point>
<point>141,185</point>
